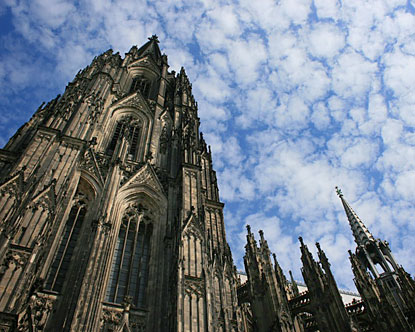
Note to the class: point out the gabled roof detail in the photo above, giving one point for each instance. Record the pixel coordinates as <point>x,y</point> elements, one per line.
<point>146,176</point>
<point>150,48</point>
<point>14,185</point>
<point>135,100</point>
<point>90,164</point>
<point>46,198</point>
<point>192,225</point>
<point>145,62</point>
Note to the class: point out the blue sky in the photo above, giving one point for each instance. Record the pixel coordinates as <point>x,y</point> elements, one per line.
<point>295,97</point>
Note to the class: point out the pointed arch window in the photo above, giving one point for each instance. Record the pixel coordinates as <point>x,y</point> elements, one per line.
<point>115,137</point>
<point>60,264</point>
<point>130,127</point>
<point>140,83</point>
<point>134,138</point>
<point>129,269</point>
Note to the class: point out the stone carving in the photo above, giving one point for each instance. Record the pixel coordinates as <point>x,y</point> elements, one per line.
<point>146,177</point>
<point>111,318</point>
<point>39,308</point>
<point>164,139</point>
<point>95,106</point>
<point>45,199</point>
<point>9,188</point>
<point>128,170</point>
<point>137,323</point>
<point>135,102</point>
<point>14,259</point>
<point>194,285</point>
<point>96,164</point>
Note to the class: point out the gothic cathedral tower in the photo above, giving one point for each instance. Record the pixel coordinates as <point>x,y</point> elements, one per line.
<point>110,216</point>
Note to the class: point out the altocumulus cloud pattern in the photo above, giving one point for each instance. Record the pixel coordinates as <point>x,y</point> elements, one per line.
<point>294,96</point>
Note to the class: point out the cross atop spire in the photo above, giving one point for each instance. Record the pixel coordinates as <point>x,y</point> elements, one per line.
<point>360,232</point>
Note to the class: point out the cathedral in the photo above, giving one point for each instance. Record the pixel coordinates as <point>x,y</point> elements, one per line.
<point>110,220</point>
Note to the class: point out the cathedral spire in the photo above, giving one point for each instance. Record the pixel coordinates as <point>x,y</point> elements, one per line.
<point>360,232</point>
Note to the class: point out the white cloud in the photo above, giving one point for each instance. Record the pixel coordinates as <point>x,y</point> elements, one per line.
<point>353,75</point>
<point>392,131</point>
<point>52,13</point>
<point>320,116</point>
<point>327,8</point>
<point>326,40</point>
<point>258,105</point>
<point>246,56</point>
<point>362,153</point>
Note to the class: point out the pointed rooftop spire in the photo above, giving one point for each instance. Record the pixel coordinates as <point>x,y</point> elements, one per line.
<point>250,238</point>
<point>151,47</point>
<point>294,285</point>
<point>360,232</point>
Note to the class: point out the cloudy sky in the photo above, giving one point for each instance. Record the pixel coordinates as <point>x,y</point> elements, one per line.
<point>295,97</point>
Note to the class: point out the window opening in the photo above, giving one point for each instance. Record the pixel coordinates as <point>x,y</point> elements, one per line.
<point>115,137</point>
<point>129,270</point>
<point>63,255</point>
<point>134,137</point>
<point>127,125</point>
<point>142,84</point>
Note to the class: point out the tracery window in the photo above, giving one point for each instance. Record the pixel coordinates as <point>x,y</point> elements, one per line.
<point>131,128</point>
<point>129,270</point>
<point>142,84</point>
<point>60,264</point>
<point>115,137</point>
<point>134,131</point>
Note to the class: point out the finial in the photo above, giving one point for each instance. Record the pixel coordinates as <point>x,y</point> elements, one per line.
<point>248,228</point>
<point>301,240</point>
<point>155,38</point>
<point>318,246</point>
<point>261,234</point>
<point>339,192</point>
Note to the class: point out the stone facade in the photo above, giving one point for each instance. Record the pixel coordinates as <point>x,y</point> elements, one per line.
<point>270,303</point>
<point>110,221</point>
<point>110,211</point>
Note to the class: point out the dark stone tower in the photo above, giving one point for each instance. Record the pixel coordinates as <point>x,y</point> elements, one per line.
<point>110,211</point>
<point>385,287</point>
<point>267,288</point>
<point>326,304</point>
<point>270,303</point>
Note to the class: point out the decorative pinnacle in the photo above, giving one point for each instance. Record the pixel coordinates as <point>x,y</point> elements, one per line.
<point>248,228</point>
<point>155,38</point>
<point>339,191</point>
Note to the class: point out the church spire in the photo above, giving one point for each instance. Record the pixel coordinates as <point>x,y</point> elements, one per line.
<point>360,232</point>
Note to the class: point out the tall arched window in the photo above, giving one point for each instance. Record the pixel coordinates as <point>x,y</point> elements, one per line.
<point>134,137</point>
<point>130,127</point>
<point>129,270</point>
<point>142,84</point>
<point>64,252</point>
<point>115,137</point>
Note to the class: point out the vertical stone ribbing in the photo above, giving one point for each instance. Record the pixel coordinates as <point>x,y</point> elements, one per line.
<point>64,151</point>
